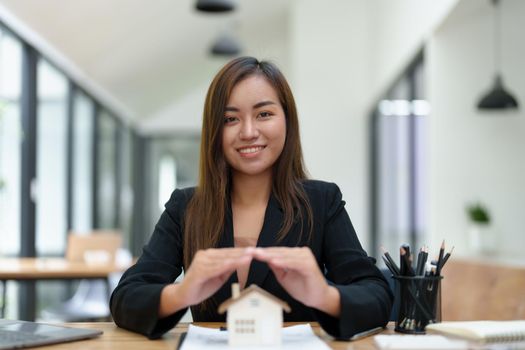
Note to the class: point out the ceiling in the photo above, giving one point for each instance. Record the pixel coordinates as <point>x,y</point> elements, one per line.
<point>149,54</point>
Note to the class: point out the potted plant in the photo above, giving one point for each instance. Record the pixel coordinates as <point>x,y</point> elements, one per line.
<point>481,237</point>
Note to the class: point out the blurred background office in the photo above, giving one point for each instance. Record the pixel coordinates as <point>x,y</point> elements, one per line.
<point>101,104</point>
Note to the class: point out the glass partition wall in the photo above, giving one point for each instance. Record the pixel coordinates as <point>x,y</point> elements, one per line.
<point>82,163</point>
<point>67,163</point>
<point>399,163</point>
<point>106,205</point>
<point>51,155</point>
<point>10,139</point>
<point>10,156</point>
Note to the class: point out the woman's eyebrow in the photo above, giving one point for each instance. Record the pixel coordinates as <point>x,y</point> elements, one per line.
<point>255,106</point>
<point>262,104</point>
<point>231,109</point>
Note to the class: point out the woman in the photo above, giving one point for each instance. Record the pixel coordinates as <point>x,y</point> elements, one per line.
<point>253,218</point>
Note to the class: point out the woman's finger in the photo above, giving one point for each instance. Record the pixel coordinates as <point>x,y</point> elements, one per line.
<point>211,257</point>
<point>266,254</point>
<point>222,253</point>
<point>217,267</point>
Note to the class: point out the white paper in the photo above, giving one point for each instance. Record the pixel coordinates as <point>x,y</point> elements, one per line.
<point>420,342</point>
<point>300,337</point>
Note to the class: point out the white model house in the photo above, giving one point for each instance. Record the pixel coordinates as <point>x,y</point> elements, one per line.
<point>255,317</point>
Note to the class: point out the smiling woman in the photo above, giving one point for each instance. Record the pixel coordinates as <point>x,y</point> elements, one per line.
<point>255,128</point>
<point>254,218</point>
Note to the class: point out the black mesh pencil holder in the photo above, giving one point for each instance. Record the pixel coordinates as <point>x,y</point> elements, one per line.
<point>419,302</point>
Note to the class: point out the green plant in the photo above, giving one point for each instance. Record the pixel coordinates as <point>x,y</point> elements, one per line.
<point>478,213</point>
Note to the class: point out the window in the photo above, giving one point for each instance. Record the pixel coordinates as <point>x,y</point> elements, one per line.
<point>83,113</point>
<point>107,168</point>
<point>10,140</point>
<point>399,163</point>
<point>126,184</point>
<point>175,162</point>
<point>51,169</point>
<point>37,169</point>
<point>167,178</point>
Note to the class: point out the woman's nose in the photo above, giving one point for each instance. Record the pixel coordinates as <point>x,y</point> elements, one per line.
<point>249,130</point>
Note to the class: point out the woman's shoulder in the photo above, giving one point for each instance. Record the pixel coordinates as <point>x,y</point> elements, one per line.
<point>322,193</point>
<point>316,188</point>
<point>180,197</point>
<point>325,197</point>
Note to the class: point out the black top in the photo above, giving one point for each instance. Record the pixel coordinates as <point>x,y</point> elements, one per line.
<point>366,299</point>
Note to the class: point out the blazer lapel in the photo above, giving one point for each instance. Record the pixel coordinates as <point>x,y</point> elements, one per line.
<point>273,219</point>
<point>226,241</point>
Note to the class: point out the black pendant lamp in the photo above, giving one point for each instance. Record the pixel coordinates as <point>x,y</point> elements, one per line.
<point>215,5</point>
<point>226,45</point>
<point>498,97</point>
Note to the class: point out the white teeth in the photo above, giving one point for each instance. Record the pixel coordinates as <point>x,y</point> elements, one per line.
<point>250,150</point>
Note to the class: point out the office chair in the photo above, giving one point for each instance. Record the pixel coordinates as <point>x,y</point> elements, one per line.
<point>91,299</point>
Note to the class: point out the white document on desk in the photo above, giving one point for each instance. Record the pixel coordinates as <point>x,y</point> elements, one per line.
<point>300,337</point>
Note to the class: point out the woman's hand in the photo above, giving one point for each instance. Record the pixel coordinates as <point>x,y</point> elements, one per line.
<point>297,271</point>
<point>208,271</point>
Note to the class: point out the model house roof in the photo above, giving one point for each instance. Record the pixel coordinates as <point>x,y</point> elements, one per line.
<point>252,289</point>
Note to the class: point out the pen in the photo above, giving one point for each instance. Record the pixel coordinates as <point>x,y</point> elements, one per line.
<point>404,259</point>
<point>389,258</point>
<point>447,256</point>
<point>390,267</point>
<point>440,259</point>
<point>408,263</point>
<point>366,333</point>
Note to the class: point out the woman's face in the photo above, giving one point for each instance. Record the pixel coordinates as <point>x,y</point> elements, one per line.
<point>254,127</point>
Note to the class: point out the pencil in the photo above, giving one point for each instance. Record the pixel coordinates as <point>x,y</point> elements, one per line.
<point>419,260</point>
<point>440,259</point>
<point>389,266</point>
<point>409,271</point>
<point>408,261</point>
<point>391,261</point>
<point>447,256</point>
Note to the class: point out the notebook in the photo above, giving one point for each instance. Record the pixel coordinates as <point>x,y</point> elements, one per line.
<point>418,342</point>
<point>22,334</point>
<point>482,331</point>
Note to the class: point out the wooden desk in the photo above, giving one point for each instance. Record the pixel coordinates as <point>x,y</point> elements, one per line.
<point>469,283</point>
<point>117,338</point>
<point>52,268</point>
<point>34,269</point>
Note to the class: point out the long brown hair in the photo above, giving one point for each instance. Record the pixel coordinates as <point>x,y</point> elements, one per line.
<point>206,211</point>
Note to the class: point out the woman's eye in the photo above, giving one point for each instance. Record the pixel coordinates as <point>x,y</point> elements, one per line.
<point>265,114</point>
<point>228,120</point>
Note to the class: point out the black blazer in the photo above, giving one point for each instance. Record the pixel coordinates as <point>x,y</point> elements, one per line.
<point>366,299</point>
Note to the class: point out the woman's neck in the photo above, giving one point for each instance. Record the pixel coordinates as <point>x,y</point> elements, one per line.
<point>251,190</point>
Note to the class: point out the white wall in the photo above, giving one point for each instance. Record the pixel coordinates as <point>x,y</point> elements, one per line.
<point>398,30</point>
<point>477,156</point>
<point>344,54</point>
<point>329,71</point>
<point>185,112</point>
